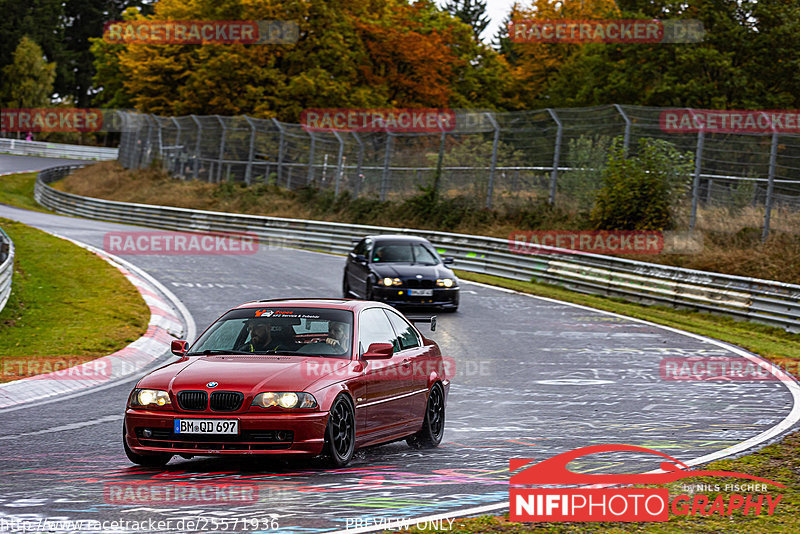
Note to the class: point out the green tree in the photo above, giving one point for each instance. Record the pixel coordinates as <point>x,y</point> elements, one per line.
<point>40,20</point>
<point>28,80</point>
<point>472,12</point>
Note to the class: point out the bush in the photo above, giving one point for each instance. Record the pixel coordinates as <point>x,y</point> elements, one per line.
<point>586,156</point>
<point>642,192</point>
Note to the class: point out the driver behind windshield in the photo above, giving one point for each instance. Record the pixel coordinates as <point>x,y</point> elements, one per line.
<point>260,336</point>
<point>266,336</point>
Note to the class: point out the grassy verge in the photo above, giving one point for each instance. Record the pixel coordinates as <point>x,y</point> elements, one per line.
<point>17,190</point>
<point>779,462</point>
<point>67,306</point>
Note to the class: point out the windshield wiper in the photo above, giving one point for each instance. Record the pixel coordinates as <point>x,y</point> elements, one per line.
<point>210,352</point>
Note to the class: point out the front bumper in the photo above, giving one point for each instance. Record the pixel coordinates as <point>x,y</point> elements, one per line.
<point>398,295</point>
<point>259,433</point>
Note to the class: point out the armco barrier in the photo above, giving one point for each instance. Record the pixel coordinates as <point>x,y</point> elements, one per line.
<point>764,301</point>
<point>6,267</point>
<point>56,150</point>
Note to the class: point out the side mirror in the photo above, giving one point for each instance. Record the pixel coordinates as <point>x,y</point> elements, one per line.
<point>430,319</point>
<point>379,351</point>
<point>179,347</point>
<point>358,258</point>
<point>448,260</point>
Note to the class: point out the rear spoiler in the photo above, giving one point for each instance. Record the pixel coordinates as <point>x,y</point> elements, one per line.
<point>430,319</point>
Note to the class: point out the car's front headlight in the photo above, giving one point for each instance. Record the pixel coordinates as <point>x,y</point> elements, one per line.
<point>445,282</point>
<point>391,281</point>
<point>285,399</point>
<point>150,397</point>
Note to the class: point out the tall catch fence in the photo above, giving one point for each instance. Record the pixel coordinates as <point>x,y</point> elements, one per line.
<point>557,155</point>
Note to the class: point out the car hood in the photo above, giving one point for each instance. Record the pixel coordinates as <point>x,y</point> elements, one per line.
<point>250,374</point>
<point>408,270</point>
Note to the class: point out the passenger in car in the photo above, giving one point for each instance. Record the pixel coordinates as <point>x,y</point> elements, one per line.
<point>337,336</point>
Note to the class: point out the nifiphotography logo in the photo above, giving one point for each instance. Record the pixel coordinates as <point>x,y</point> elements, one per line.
<point>596,500</point>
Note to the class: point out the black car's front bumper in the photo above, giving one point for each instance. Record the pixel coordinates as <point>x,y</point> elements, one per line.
<point>442,297</point>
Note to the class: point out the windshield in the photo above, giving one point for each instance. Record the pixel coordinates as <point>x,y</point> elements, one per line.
<point>280,330</point>
<point>403,253</point>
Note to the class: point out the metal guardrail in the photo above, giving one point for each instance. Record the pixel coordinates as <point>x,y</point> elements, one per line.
<point>6,267</point>
<point>764,301</point>
<point>56,150</point>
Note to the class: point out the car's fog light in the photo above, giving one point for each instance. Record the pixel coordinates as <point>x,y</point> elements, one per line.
<point>147,433</point>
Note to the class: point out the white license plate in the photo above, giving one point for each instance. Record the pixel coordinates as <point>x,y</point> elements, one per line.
<point>206,426</point>
<point>420,292</point>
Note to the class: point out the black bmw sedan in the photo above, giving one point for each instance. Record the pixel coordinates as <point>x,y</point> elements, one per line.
<point>400,270</point>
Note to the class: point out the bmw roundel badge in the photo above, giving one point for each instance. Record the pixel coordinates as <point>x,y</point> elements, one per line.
<point>212,384</point>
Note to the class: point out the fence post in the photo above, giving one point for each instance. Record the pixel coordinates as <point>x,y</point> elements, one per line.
<point>221,155</point>
<point>141,157</point>
<point>281,144</point>
<point>626,140</point>
<point>439,161</point>
<point>178,152</point>
<point>556,156</point>
<point>386,157</point>
<point>248,173</point>
<point>773,160</point>
<point>360,162</point>
<point>158,135</point>
<point>493,167</point>
<point>339,163</point>
<point>196,170</point>
<point>311,151</point>
<point>698,163</point>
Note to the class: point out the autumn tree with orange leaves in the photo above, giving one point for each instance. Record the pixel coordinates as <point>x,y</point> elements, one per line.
<point>533,64</point>
<point>352,53</point>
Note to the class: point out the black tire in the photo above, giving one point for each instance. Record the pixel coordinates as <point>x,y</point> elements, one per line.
<point>346,288</point>
<point>432,431</point>
<point>368,295</point>
<point>148,460</point>
<point>340,433</point>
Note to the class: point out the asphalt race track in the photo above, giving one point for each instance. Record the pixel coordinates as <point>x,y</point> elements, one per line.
<point>534,378</point>
<point>12,164</point>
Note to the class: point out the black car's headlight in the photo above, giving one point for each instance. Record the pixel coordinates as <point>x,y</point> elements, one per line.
<point>285,399</point>
<point>150,397</point>
<point>445,282</point>
<point>391,281</point>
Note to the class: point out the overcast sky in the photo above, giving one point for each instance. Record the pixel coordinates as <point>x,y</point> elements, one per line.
<point>497,11</point>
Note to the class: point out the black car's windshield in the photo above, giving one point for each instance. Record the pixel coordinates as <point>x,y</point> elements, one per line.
<point>279,330</point>
<point>416,253</point>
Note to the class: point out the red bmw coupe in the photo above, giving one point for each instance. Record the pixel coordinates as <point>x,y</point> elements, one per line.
<point>296,376</point>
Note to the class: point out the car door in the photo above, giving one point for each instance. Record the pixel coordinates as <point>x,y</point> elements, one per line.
<point>387,401</point>
<point>420,359</point>
<point>358,271</point>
